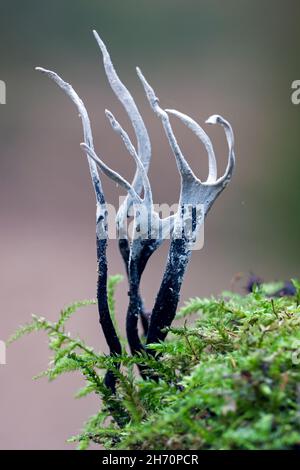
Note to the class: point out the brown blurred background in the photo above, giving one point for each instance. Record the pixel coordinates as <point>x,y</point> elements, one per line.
<point>235,58</point>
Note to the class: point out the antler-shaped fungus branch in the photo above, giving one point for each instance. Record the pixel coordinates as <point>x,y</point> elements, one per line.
<point>101,227</point>
<point>143,141</point>
<point>193,194</point>
<point>143,244</point>
<point>203,137</point>
<point>143,151</point>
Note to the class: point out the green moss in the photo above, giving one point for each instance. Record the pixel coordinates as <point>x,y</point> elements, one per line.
<point>226,378</point>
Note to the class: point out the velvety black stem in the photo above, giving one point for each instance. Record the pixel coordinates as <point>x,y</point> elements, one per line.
<point>106,322</point>
<point>166,303</point>
<point>141,252</point>
<point>145,320</point>
<point>134,312</point>
<point>149,246</point>
<point>135,302</point>
<point>137,265</point>
<point>124,248</point>
<point>134,309</point>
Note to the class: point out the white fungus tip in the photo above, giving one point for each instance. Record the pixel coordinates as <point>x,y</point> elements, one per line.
<point>99,41</point>
<point>41,69</point>
<point>214,119</point>
<point>109,114</point>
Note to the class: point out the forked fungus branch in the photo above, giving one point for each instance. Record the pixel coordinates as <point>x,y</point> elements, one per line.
<point>149,229</point>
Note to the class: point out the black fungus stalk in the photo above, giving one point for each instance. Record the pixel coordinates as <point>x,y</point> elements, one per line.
<point>105,319</point>
<point>166,303</point>
<point>137,264</point>
<point>101,228</point>
<point>194,193</point>
<point>124,248</point>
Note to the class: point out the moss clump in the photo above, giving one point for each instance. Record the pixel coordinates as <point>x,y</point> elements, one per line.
<point>228,378</point>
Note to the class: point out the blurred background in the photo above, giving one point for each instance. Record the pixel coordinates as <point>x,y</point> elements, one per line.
<point>234,58</point>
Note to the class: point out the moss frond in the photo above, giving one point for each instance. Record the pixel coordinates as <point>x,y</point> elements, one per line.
<point>229,380</point>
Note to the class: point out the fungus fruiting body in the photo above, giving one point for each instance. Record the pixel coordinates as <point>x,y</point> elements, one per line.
<point>149,230</point>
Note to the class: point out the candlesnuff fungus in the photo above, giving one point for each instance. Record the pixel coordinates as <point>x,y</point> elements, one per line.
<point>194,193</point>
<point>101,227</point>
<point>149,230</point>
